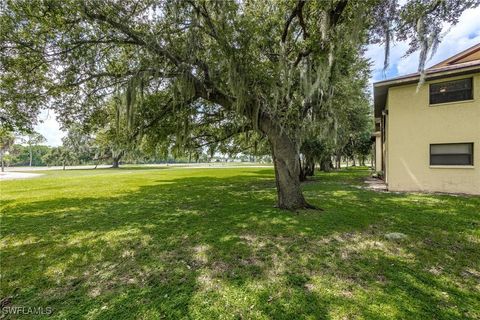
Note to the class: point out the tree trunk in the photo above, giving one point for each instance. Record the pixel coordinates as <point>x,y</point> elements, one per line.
<point>338,160</point>
<point>310,167</point>
<point>303,171</point>
<point>286,160</point>
<point>326,165</point>
<point>307,168</point>
<point>31,155</point>
<point>1,160</point>
<point>287,175</point>
<point>116,160</point>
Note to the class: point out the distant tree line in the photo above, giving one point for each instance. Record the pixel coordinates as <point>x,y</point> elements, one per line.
<point>81,148</point>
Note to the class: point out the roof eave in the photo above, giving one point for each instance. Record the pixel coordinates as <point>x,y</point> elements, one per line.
<point>380,88</point>
<point>430,74</point>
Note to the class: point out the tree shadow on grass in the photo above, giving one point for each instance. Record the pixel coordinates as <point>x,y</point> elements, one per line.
<point>205,247</point>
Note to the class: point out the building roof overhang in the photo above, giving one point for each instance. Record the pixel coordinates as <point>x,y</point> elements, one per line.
<point>438,71</point>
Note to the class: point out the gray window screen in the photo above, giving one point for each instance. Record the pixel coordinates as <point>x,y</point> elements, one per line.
<point>455,154</point>
<point>451,91</point>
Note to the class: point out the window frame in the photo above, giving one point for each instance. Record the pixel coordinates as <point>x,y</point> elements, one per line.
<point>434,104</point>
<point>471,154</point>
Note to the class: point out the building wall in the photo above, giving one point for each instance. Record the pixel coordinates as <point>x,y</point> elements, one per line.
<point>413,125</point>
<point>378,151</point>
<point>385,144</point>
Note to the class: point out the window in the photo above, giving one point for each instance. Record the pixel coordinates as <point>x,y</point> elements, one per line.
<point>453,154</point>
<point>450,91</point>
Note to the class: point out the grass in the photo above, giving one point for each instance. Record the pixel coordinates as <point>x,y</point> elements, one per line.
<point>208,244</point>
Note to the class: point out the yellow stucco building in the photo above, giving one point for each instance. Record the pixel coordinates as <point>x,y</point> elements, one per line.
<point>428,136</point>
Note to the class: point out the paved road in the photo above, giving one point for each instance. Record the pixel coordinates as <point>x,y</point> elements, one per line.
<point>27,169</point>
<point>162,165</point>
<point>18,175</point>
<point>12,173</point>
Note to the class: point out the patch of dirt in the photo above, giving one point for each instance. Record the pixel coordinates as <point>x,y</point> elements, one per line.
<point>375,184</point>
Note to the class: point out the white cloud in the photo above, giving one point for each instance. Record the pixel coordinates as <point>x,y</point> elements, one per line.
<point>50,128</point>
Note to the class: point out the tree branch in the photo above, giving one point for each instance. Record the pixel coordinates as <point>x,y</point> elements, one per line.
<point>336,13</point>
<point>296,12</point>
<point>302,55</point>
<point>226,137</point>
<point>205,90</point>
<point>135,36</point>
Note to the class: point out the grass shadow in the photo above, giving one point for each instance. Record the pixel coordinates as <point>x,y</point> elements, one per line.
<point>208,243</point>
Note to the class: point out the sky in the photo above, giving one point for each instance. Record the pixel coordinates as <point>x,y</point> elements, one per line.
<point>463,35</point>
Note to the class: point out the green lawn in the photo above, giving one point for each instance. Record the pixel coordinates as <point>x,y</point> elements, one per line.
<point>207,243</point>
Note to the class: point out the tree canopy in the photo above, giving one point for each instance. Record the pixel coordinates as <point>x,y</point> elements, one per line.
<point>273,67</point>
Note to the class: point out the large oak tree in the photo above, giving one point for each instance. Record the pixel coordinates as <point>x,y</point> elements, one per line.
<point>270,64</point>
